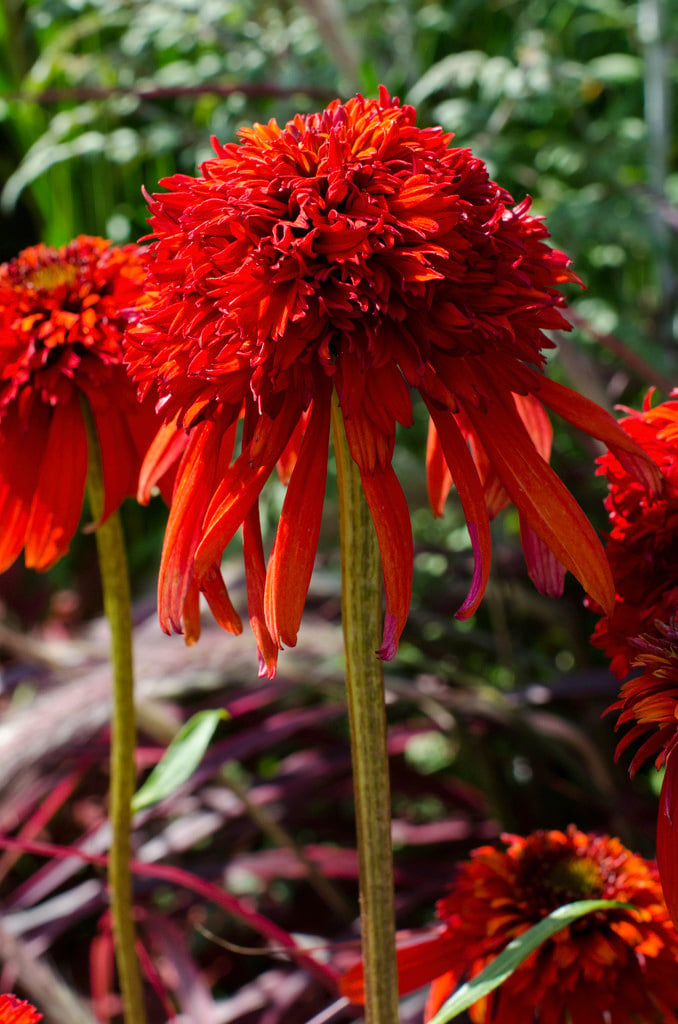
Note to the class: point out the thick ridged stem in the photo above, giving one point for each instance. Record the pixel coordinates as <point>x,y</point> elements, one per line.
<point>118,611</point>
<point>362,623</point>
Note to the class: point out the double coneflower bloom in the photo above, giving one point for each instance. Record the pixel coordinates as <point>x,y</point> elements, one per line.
<point>609,966</point>
<point>352,256</point>
<point>63,313</point>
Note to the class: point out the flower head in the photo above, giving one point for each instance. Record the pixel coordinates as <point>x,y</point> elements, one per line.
<point>612,965</point>
<point>16,1011</point>
<point>355,254</point>
<point>62,316</point>
<point>642,546</point>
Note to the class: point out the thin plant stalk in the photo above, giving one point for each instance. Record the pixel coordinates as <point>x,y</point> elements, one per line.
<point>118,611</point>
<point>362,620</point>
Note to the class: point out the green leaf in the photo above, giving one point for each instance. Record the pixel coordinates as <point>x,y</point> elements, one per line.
<point>181,758</point>
<point>503,966</point>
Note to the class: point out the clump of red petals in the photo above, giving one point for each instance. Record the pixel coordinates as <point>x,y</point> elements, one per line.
<point>649,700</point>
<point>63,313</point>
<point>355,254</point>
<point>17,1011</point>
<point>612,965</point>
<point>642,546</point>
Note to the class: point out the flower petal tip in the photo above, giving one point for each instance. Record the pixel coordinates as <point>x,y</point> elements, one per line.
<point>389,644</point>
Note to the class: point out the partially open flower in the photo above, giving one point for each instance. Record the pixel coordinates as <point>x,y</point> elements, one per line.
<point>352,256</point>
<point>62,316</point>
<point>609,967</point>
<point>17,1011</point>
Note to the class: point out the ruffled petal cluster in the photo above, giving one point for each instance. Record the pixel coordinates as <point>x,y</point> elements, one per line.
<point>642,546</point>
<point>352,256</point>
<point>17,1011</point>
<point>613,965</point>
<point>63,313</point>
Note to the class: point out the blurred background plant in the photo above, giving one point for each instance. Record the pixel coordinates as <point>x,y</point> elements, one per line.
<point>495,722</point>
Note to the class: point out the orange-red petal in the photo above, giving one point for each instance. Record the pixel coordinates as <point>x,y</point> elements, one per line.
<point>163,453</point>
<point>438,476</point>
<point>542,498</point>
<point>391,519</point>
<point>241,485</point>
<point>208,451</point>
<point>589,417</point>
<point>253,553</point>
<point>296,540</point>
<point>472,497</point>
<point>57,502</point>
<point>21,447</point>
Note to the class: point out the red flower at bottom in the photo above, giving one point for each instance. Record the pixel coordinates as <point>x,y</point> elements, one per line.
<point>16,1011</point>
<point>610,966</point>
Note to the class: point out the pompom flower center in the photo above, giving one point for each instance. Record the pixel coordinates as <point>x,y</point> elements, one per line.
<point>575,878</point>
<point>51,276</point>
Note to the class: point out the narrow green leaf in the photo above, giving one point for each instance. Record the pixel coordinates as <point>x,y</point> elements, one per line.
<point>503,966</point>
<point>181,758</point>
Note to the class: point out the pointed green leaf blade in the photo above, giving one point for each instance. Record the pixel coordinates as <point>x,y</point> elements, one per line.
<point>181,758</point>
<point>503,966</point>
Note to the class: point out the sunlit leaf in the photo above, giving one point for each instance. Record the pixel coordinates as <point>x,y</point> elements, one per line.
<point>181,758</point>
<point>503,966</point>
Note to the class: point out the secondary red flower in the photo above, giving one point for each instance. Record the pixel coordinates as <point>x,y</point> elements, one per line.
<point>650,700</point>
<point>612,965</point>
<point>16,1011</point>
<point>643,542</point>
<point>352,254</point>
<point>62,316</point>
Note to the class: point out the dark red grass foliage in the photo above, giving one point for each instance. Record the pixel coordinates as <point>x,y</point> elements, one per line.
<point>246,877</point>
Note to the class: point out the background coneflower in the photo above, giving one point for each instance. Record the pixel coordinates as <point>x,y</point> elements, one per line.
<point>63,313</point>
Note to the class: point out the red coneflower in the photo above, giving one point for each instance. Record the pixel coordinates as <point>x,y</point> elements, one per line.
<point>16,1011</point>
<point>650,700</point>
<point>610,966</point>
<point>642,546</point>
<point>62,316</point>
<point>352,253</point>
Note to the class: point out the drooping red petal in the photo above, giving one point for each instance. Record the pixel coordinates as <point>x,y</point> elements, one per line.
<point>57,502</point>
<point>421,958</point>
<point>213,587</point>
<point>544,569</point>
<point>537,423</point>
<point>471,495</point>
<point>119,457</point>
<point>164,451</point>
<point>21,446</point>
<point>296,540</point>
<point>667,835</point>
<point>593,420</point>
<point>438,476</point>
<point>391,519</point>
<point>542,498</point>
<point>208,452</point>
<point>288,459</point>
<point>255,572</point>
<point>241,484</point>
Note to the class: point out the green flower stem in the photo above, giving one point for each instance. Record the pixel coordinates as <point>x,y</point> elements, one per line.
<point>118,610</point>
<point>362,624</point>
